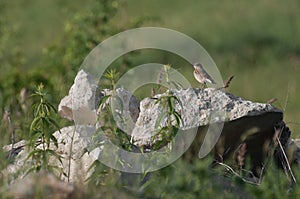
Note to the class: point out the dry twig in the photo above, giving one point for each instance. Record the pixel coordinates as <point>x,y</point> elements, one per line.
<point>7,116</point>
<point>271,101</point>
<point>286,162</point>
<point>241,153</point>
<point>227,82</point>
<point>228,168</point>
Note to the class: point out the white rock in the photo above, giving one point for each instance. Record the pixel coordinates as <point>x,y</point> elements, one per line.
<point>80,103</point>
<point>196,110</point>
<point>72,148</point>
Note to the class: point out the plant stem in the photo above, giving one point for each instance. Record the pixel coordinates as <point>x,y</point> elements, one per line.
<point>70,155</point>
<point>12,138</point>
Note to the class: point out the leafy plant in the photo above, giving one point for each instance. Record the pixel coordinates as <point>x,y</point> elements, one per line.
<point>173,120</point>
<point>108,120</point>
<point>41,134</point>
<point>112,76</point>
<point>111,114</point>
<point>164,78</point>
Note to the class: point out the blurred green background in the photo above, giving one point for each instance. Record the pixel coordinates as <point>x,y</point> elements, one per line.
<point>46,41</point>
<point>256,41</point>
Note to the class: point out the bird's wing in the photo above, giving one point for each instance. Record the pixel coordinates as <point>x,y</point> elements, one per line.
<point>207,77</point>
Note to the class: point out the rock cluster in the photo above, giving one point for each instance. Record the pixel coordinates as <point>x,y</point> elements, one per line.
<point>199,108</point>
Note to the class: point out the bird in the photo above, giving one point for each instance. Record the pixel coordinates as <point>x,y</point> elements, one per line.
<point>201,75</point>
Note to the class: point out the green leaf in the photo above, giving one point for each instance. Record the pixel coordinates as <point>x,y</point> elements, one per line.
<point>45,122</point>
<point>53,122</point>
<point>51,107</point>
<point>32,169</point>
<point>34,138</point>
<point>34,123</point>
<point>158,144</point>
<point>178,118</point>
<point>118,103</point>
<point>171,103</point>
<point>53,153</point>
<point>160,99</point>
<point>36,109</point>
<point>179,102</point>
<point>103,100</point>
<point>159,119</point>
<point>32,153</point>
<point>94,164</point>
<point>47,109</point>
<point>52,168</point>
<point>54,140</point>
<point>174,131</point>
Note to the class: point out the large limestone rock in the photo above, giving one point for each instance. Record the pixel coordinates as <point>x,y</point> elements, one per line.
<point>240,122</point>
<point>198,108</point>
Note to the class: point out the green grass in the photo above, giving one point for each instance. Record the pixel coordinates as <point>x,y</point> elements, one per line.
<point>256,41</point>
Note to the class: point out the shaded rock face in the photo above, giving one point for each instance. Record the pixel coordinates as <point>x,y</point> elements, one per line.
<point>256,132</point>
<point>245,122</point>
